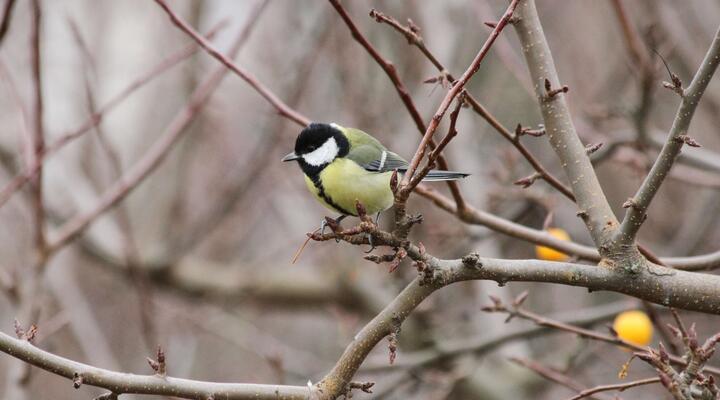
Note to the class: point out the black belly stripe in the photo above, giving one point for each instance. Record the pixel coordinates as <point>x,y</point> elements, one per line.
<point>321,192</point>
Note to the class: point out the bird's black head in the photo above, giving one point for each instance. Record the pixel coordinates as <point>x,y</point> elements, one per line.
<point>317,146</point>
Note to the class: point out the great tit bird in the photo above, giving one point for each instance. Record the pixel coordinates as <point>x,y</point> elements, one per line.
<point>342,165</point>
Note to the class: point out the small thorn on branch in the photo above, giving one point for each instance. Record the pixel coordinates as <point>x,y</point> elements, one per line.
<point>472,260</point>
<point>493,24</point>
<point>379,259</point>
<point>521,131</point>
<point>21,333</point>
<point>394,182</point>
<point>528,180</point>
<point>551,93</point>
<point>158,365</point>
<point>400,254</point>
<point>675,83</point>
<point>687,140</point>
<point>441,80</point>
<point>364,386</point>
<point>360,208</point>
<point>593,147</point>
<point>77,380</point>
<point>393,339</point>
<point>631,202</point>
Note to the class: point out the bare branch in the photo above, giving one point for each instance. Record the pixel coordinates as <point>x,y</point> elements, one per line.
<point>400,88</point>
<point>457,87</point>
<point>600,220</point>
<point>635,216</point>
<point>6,17</point>
<point>119,382</point>
<point>614,387</point>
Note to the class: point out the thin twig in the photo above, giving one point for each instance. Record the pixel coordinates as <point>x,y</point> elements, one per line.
<point>401,90</point>
<point>282,108</point>
<point>457,87</point>
<point>636,213</point>
<point>414,38</point>
<point>6,17</point>
<point>550,374</point>
<point>614,387</point>
<point>520,312</point>
<point>21,178</point>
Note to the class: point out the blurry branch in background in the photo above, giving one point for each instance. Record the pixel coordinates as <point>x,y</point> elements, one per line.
<point>552,374</point>
<point>515,310</point>
<point>561,378</point>
<point>484,343</point>
<point>96,118</point>
<point>282,108</point>
<point>131,252</point>
<point>6,17</point>
<point>677,137</point>
<point>252,170</point>
<point>33,146</point>
<point>619,387</point>
<point>155,155</point>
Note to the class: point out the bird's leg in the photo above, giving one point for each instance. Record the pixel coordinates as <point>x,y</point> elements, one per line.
<point>370,242</point>
<point>369,236</point>
<point>334,224</point>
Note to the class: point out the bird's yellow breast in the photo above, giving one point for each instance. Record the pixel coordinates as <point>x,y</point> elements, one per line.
<point>343,182</point>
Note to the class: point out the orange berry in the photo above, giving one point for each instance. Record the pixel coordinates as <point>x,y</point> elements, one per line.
<point>634,326</point>
<point>546,253</point>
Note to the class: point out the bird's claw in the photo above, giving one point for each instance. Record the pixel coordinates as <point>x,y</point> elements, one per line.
<point>333,224</point>
<point>370,242</point>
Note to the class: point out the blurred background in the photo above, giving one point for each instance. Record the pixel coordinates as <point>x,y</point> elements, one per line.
<point>198,257</point>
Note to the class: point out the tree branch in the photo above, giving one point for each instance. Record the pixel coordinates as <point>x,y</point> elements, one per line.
<point>414,38</point>
<point>620,387</point>
<point>120,383</point>
<point>637,210</point>
<point>457,87</point>
<point>400,88</point>
<point>6,17</point>
<point>596,211</point>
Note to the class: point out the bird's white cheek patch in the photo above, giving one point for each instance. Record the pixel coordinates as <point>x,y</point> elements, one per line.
<point>323,154</point>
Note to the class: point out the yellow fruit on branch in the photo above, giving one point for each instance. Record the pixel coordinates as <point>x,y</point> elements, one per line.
<point>546,253</point>
<point>634,327</point>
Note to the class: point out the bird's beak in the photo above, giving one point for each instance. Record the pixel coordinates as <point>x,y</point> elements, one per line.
<point>291,157</point>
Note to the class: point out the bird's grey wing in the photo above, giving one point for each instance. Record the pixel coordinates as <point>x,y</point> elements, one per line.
<point>382,161</point>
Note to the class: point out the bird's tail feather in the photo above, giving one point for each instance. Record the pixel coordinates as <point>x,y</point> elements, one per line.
<point>436,176</point>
